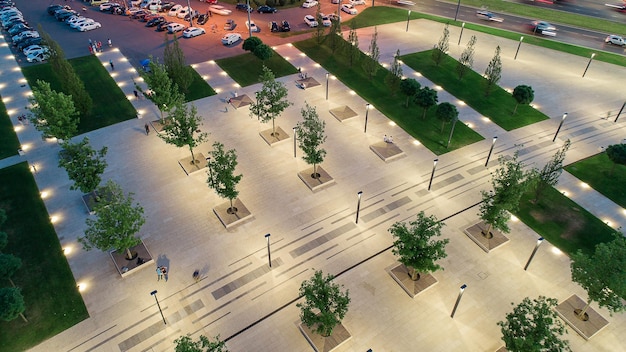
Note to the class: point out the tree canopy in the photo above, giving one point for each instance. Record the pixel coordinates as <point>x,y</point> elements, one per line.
<point>263,52</point>
<point>203,344</point>
<point>617,154</point>
<point>466,61</point>
<point>250,43</point>
<point>54,114</point>
<point>175,63</point>
<point>182,129</point>
<point>164,93</point>
<point>426,98</point>
<point>523,94</point>
<point>493,72</point>
<point>372,65</point>
<point>311,136</point>
<point>11,303</point>
<point>442,47</point>
<point>271,100</point>
<point>409,87</point>
<point>222,176</point>
<point>325,305</point>
<point>549,175</point>
<point>83,164</point>
<point>446,113</point>
<point>394,76</point>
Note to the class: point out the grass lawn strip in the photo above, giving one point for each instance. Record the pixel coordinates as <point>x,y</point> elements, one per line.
<point>563,223</point>
<point>596,172</point>
<point>9,144</point>
<point>199,88</point>
<point>498,106</point>
<point>53,303</point>
<point>245,69</point>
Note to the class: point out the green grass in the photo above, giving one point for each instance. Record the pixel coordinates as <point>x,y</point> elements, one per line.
<point>199,88</point>
<point>563,223</point>
<point>53,303</point>
<point>498,106</point>
<point>245,69</point>
<point>598,172</point>
<point>110,105</point>
<point>9,144</point>
<point>374,90</point>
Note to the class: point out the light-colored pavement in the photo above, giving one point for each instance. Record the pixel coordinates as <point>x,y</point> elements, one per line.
<point>317,230</point>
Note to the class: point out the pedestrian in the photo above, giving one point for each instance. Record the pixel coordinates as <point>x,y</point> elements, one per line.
<point>196,275</point>
<point>136,94</point>
<point>94,47</point>
<point>90,42</point>
<point>90,49</point>
<point>147,128</point>
<point>164,271</point>
<point>159,273</point>
<point>109,42</point>
<point>99,46</point>
<point>112,66</point>
<point>390,139</point>
<point>385,139</point>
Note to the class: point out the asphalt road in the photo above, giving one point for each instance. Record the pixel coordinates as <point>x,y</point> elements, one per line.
<point>594,8</point>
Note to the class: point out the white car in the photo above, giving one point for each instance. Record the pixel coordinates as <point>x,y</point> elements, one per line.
<point>70,21</point>
<point>349,9</point>
<point>37,57</point>
<point>34,49</point>
<point>184,12</point>
<point>88,26</point>
<point>357,2</point>
<point>24,35</point>
<point>81,22</point>
<point>309,3</point>
<point>310,21</point>
<point>325,20</point>
<point>174,10</point>
<point>230,38</point>
<point>175,27</point>
<point>219,10</point>
<point>252,26</point>
<point>193,32</point>
<point>106,6</point>
<point>488,16</point>
<point>615,40</point>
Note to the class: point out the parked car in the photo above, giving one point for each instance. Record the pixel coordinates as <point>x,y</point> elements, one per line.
<point>309,3</point>
<point>184,12</point>
<point>167,7</point>
<point>155,21</point>
<point>13,21</point>
<point>140,14</point>
<point>542,27</point>
<point>19,28</point>
<point>106,7</point>
<point>62,15</point>
<point>27,42</point>
<point>34,49</point>
<point>488,16</point>
<point>230,25</point>
<point>284,26</point>
<point>191,15</point>
<point>37,57</point>
<point>70,21</point>
<point>231,38</point>
<point>203,18</point>
<point>219,10</point>
<point>273,26</point>
<point>56,7</point>
<point>324,20</point>
<point>162,27</point>
<point>615,40</point>
<point>357,2</point>
<point>175,27</point>
<point>174,10</point>
<point>310,21</point>
<point>266,9</point>
<point>349,9</point>
<point>77,24</point>
<point>24,35</point>
<point>88,26</point>
<point>243,7</point>
<point>252,26</point>
<point>193,32</point>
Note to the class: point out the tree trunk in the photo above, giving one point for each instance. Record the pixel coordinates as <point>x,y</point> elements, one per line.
<point>161,111</point>
<point>231,204</point>
<point>424,114</point>
<point>515,110</point>
<point>273,128</point>
<point>443,124</point>
<point>486,234</point>
<point>193,158</point>
<point>23,318</point>
<point>406,105</point>
<point>11,281</point>
<point>315,170</point>
<point>581,315</point>
<point>414,274</point>
<point>129,255</point>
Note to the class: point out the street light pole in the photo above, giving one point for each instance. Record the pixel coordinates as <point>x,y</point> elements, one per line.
<point>532,255</point>
<point>493,142</point>
<point>458,5</point>
<point>589,63</point>
<point>560,124</point>
<point>432,174</point>
<point>408,18</point>
<point>190,14</point>
<point>294,141</point>
<point>248,11</point>
<point>358,206</point>
<point>269,255</point>
<point>458,299</point>
<point>451,132</point>
<point>326,85</point>
<point>518,46</point>
<point>367,110</point>
<point>620,112</point>
<point>461,35</point>
<point>153,293</point>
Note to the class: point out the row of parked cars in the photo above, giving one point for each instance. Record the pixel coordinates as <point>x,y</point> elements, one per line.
<point>24,38</point>
<point>64,13</point>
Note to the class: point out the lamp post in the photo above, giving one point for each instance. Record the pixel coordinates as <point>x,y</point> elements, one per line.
<point>493,142</point>
<point>620,112</point>
<point>432,174</point>
<point>367,110</point>
<point>589,63</point>
<point>532,255</point>
<point>518,46</point>
<point>458,5</point>
<point>458,299</point>
<point>326,85</point>
<point>269,255</point>
<point>248,11</point>
<point>451,132</point>
<point>408,18</point>
<point>190,14</point>
<point>153,293</point>
<point>294,140</point>
<point>560,125</point>
<point>461,35</point>
<point>358,206</point>
<point>339,10</point>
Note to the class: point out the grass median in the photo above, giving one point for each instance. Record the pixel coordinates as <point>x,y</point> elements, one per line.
<point>602,175</point>
<point>9,144</point>
<point>245,69</point>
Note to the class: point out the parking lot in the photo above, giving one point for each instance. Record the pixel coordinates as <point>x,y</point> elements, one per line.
<point>138,42</point>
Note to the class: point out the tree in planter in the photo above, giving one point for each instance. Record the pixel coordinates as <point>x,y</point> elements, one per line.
<point>164,92</point>
<point>442,47</point>
<point>310,136</point>
<point>493,72</point>
<point>534,326</point>
<point>9,264</point>
<point>602,275</point>
<point>415,245</point>
<point>509,182</point>
<point>174,60</point>
<point>466,61</point>
<point>117,222</point>
<point>394,76</point>
<point>83,164</point>
<point>182,127</point>
<point>352,47</point>
<point>409,87</point>
<point>222,176</point>
<point>203,344</point>
<point>54,114</point>
<point>523,95</point>
<point>617,154</point>
<point>371,65</point>
<point>426,98</point>
<point>549,175</point>
<point>324,304</point>
<point>11,303</point>
<point>447,113</point>
<point>271,100</point>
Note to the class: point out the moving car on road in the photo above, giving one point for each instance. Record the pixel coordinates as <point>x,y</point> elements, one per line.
<point>543,27</point>
<point>231,38</point>
<point>488,16</point>
<point>615,40</point>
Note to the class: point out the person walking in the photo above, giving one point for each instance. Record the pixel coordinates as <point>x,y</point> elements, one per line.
<point>136,94</point>
<point>159,273</point>
<point>99,46</point>
<point>109,42</point>
<point>196,275</point>
<point>112,66</point>
<point>147,128</point>
<point>164,272</point>
<point>90,49</point>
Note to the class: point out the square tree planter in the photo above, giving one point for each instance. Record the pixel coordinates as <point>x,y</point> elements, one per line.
<point>495,240</point>
<point>587,329</point>
<point>323,179</point>
<point>141,259</point>
<point>324,344</point>
<point>230,219</point>
<point>400,273</point>
<point>91,199</point>
<point>189,167</point>
<point>275,137</point>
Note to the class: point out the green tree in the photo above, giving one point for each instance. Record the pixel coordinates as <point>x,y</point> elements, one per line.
<point>617,154</point>
<point>11,303</point>
<point>446,113</point>
<point>523,95</point>
<point>9,264</point>
<point>426,98</point>
<point>174,60</point>
<point>334,36</point>
<point>548,176</point>
<point>325,305</point>
<point>251,43</point>
<point>602,275</point>
<point>371,65</point>
<point>442,47</point>
<point>263,52</point>
<point>271,100</point>
<point>164,92</point>
<point>83,164</point>
<point>394,76</point>
<point>409,87</point>
<point>319,30</point>
<point>415,244</point>
<point>54,114</point>
<point>203,344</point>
<point>222,176</point>
<point>509,182</point>
<point>116,224</point>
<point>493,72</point>
<point>4,238</point>
<point>466,61</point>
<point>182,129</point>
<point>352,47</point>
<point>534,326</point>
<point>311,136</point>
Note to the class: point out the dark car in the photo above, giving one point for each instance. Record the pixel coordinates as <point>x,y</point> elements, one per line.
<point>114,7</point>
<point>284,26</point>
<point>244,7</point>
<point>274,27</point>
<point>162,27</point>
<point>27,42</point>
<point>202,19</point>
<point>63,15</point>
<point>266,9</point>
<point>148,18</point>
<point>54,8</point>
<point>155,21</point>
<point>14,22</point>
<point>19,28</point>
<point>167,7</point>
<point>189,16</point>
<point>140,14</point>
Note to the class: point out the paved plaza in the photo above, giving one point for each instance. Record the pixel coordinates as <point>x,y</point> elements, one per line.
<point>239,297</point>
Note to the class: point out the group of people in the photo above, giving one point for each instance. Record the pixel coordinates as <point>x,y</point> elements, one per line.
<point>388,139</point>
<point>161,273</point>
<point>95,47</point>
